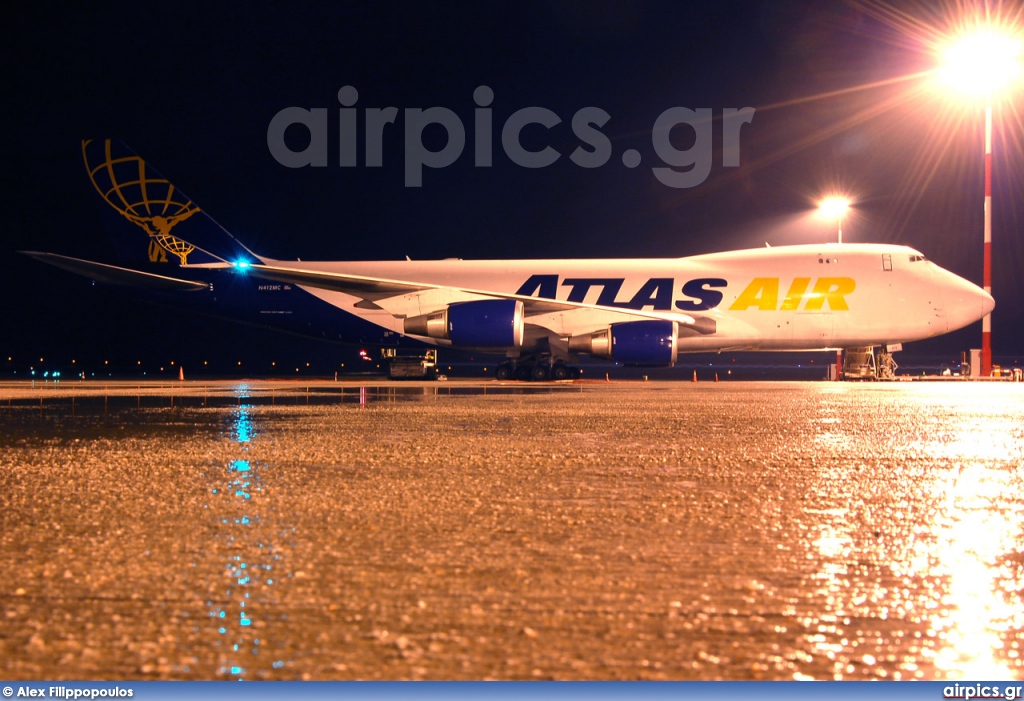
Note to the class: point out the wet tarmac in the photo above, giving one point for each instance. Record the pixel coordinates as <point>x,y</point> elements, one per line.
<point>576,531</point>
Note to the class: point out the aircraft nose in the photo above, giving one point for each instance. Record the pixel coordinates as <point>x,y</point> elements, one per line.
<point>965,301</point>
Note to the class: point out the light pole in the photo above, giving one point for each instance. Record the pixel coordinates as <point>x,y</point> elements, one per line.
<point>986,274</point>
<point>981,63</point>
<point>834,208</point>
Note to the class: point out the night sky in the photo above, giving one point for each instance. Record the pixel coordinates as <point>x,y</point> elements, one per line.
<point>193,89</point>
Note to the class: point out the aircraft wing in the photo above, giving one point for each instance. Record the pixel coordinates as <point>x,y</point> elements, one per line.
<point>376,291</point>
<point>366,288</point>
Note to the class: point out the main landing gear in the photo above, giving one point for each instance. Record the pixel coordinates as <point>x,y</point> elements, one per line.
<point>537,370</point>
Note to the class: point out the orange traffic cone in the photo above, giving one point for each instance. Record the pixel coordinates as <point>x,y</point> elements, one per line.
<point>716,377</point>
<point>181,373</point>
<point>694,375</point>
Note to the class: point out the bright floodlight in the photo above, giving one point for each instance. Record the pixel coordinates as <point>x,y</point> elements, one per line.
<point>981,63</point>
<point>834,207</point>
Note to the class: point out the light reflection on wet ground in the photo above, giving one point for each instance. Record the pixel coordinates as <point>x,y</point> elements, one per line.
<point>737,531</point>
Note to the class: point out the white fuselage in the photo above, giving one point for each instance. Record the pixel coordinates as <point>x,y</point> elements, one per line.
<point>784,298</point>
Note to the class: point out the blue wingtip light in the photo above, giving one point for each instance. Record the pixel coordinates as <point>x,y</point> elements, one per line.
<point>242,265</point>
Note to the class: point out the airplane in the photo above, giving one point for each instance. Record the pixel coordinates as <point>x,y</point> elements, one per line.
<point>541,315</point>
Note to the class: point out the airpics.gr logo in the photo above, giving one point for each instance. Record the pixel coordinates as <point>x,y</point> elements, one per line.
<point>144,198</point>
<point>680,168</point>
<point>981,691</point>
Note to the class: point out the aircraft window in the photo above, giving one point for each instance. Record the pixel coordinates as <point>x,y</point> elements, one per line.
<point>887,261</point>
<point>917,258</point>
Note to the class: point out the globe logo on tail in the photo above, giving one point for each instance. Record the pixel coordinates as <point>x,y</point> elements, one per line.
<point>141,195</point>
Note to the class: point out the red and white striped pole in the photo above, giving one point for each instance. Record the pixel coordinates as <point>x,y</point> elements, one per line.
<point>986,322</point>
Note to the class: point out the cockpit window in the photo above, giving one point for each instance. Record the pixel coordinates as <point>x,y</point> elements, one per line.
<point>917,257</point>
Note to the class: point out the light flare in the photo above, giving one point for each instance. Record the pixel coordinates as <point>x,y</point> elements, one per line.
<point>981,62</point>
<point>834,207</point>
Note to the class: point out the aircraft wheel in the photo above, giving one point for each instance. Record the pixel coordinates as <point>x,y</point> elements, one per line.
<point>539,373</point>
<point>559,372</point>
<point>504,372</point>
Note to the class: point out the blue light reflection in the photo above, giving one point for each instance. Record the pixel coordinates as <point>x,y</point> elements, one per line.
<point>235,498</point>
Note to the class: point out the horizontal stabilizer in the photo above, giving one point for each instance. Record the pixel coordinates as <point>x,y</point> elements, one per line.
<point>114,275</point>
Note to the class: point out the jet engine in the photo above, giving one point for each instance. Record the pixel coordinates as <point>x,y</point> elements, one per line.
<point>652,343</point>
<point>487,323</point>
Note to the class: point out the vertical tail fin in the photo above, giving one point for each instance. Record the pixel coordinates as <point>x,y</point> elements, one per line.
<point>153,224</point>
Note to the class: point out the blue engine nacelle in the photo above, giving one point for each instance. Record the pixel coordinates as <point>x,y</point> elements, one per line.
<point>651,343</point>
<point>486,323</point>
